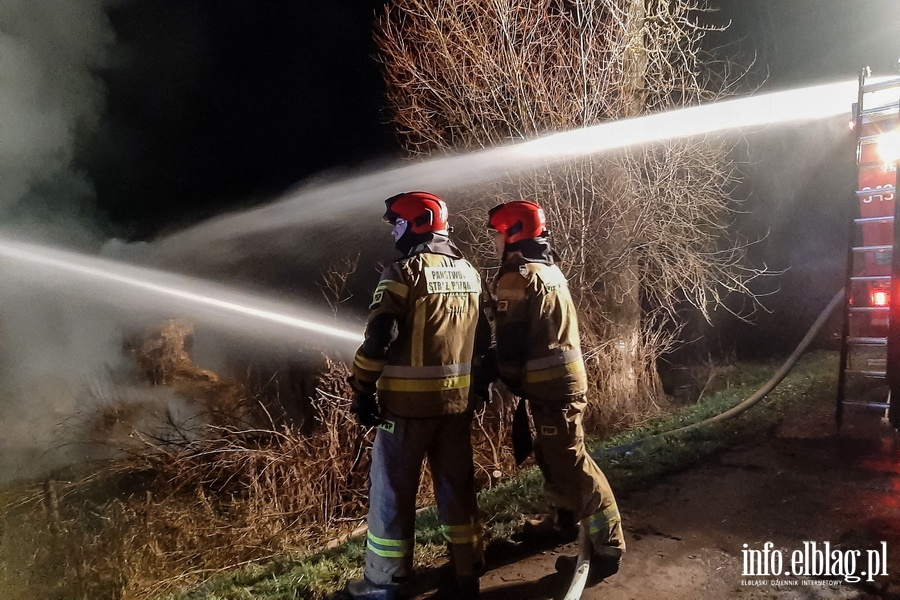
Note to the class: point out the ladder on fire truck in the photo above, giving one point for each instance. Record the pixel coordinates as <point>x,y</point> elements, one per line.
<point>870,337</point>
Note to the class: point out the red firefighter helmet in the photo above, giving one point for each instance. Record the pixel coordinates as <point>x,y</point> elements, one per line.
<point>517,220</point>
<point>425,213</point>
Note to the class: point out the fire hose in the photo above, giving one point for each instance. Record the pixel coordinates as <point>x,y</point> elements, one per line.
<point>752,400</point>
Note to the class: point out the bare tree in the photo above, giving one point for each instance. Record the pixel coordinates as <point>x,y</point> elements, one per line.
<point>333,284</point>
<point>642,230</point>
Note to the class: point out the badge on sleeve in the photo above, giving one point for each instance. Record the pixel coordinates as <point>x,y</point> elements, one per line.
<point>376,298</point>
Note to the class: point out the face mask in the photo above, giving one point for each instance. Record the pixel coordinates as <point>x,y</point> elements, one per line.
<point>399,229</point>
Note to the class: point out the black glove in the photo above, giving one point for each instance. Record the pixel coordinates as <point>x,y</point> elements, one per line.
<point>485,373</point>
<point>523,442</point>
<point>364,405</point>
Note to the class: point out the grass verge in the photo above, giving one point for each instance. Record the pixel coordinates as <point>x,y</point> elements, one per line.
<point>318,575</point>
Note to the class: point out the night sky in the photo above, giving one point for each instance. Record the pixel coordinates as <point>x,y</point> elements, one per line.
<point>801,41</point>
<point>218,104</point>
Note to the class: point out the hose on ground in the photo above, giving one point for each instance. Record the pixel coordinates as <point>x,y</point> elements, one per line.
<point>752,400</point>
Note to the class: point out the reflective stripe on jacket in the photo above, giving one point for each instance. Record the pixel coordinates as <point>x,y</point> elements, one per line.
<point>420,333</point>
<point>538,347</point>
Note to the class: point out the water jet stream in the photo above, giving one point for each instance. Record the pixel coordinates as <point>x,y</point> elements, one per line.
<point>133,287</point>
<point>363,193</point>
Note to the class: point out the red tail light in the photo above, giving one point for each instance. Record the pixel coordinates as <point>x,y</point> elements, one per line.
<point>880,299</point>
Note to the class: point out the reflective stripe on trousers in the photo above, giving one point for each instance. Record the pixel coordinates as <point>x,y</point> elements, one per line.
<point>394,479</point>
<point>604,527</point>
<point>572,480</point>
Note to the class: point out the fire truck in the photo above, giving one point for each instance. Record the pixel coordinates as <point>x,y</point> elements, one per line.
<point>870,340</point>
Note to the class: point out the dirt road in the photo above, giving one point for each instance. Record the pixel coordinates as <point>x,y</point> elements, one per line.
<point>804,483</point>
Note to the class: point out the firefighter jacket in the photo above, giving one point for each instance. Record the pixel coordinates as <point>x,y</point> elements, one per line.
<point>420,333</point>
<point>536,328</point>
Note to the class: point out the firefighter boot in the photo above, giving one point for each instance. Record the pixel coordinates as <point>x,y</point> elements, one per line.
<point>558,527</point>
<point>605,559</point>
<point>363,589</point>
<point>467,563</point>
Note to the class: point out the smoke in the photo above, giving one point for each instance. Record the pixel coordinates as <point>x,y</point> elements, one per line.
<point>56,354</point>
<point>798,201</point>
<point>61,335</point>
<point>51,106</point>
<point>51,102</point>
<point>802,180</point>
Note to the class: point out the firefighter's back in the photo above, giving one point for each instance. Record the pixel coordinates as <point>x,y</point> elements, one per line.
<point>429,365</point>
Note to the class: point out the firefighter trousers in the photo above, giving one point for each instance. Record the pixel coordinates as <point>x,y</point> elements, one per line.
<point>397,455</point>
<point>572,480</point>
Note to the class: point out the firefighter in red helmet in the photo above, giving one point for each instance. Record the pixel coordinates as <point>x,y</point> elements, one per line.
<point>411,379</point>
<point>538,357</point>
